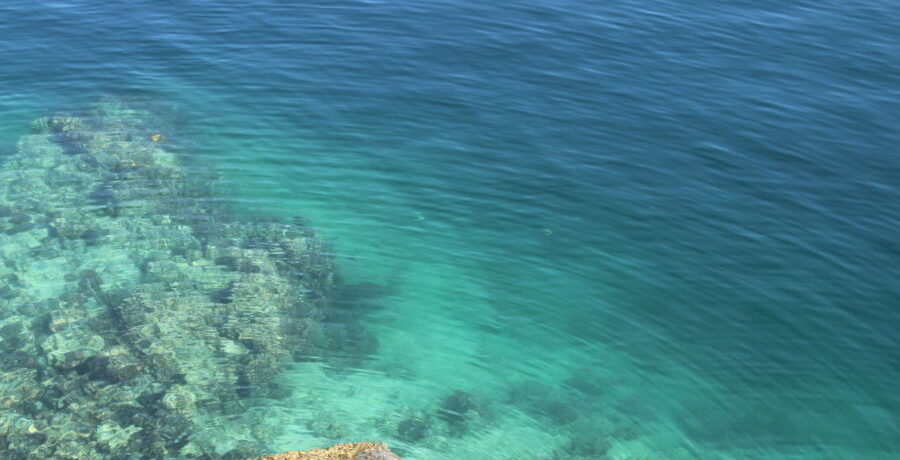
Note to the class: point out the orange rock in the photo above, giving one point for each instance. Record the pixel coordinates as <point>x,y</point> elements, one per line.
<point>354,451</point>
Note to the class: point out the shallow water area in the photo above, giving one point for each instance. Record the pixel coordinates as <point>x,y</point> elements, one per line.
<point>133,304</point>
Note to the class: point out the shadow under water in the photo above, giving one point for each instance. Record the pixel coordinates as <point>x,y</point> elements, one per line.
<point>135,312</point>
<point>342,339</point>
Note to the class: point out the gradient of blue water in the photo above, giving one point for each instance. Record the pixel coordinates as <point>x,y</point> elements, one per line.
<point>710,189</point>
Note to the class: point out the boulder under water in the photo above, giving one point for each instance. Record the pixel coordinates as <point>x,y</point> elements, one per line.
<point>134,309</point>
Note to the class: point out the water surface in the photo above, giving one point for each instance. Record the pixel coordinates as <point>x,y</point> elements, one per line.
<point>633,230</point>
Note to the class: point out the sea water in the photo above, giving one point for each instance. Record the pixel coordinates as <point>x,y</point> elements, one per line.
<point>633,230</point>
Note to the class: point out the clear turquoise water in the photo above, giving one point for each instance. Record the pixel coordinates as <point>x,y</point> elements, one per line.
<point>649,229</point>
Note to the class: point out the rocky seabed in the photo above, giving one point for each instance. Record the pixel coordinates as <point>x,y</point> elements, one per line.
<point>135,312</point>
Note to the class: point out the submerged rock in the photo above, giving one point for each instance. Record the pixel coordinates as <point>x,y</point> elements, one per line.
<point>70,348</point>
<point>134,310</point>
<point>412,429</point>
<point>355,451</point>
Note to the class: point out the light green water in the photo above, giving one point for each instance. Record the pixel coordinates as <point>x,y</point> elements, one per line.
<point>467,323</point>
<point>462,311</point>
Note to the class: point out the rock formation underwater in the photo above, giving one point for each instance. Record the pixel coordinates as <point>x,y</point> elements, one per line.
<point>133,309</point>
<point>354,451</point>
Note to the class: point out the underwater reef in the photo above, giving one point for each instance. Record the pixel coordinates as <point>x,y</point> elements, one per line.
<point>135,310</point>
<point>354,451</point>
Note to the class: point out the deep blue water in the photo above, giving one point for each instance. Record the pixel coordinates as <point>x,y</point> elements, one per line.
<point>677,220</point>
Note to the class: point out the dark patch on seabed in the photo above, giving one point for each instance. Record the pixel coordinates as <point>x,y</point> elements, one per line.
<point>342,339</point>
<point>133,311</point>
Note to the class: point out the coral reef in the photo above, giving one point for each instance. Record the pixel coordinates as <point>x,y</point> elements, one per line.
<point>131,304</point>
<point>355,451</point>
